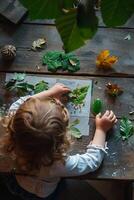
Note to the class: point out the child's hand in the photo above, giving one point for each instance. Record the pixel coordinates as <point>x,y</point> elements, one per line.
<point>58,90</point>
<point>106,121</point>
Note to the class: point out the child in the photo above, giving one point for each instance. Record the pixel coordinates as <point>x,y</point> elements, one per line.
<point>37,141</point>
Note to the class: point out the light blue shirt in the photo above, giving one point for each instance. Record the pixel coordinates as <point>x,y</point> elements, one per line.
<point>75,165</point>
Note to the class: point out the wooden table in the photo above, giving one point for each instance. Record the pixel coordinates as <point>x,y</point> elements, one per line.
<point>119,163</point>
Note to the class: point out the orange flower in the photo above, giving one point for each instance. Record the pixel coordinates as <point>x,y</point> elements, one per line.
<point>105,61</point>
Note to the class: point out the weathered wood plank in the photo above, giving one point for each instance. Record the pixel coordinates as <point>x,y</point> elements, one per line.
<point>112,39</point>
<point>12,10</point>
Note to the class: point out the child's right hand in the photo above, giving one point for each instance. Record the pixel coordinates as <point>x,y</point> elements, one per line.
<point>106,121</point>
<point>58,90</point>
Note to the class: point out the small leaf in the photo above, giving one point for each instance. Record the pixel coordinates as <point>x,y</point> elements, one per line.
<point>19,77</point>
<point>41,86</point>
<point>113,89</point>
<point>128,37</point>
<point>73,63</point>
<point>75,122</point>
<point>96,106</point>
<point>78,95</point>
<point>38,43</point>
<point>56,60</point>
<point>75,132</point>
<point>105,61</point>
<point>126,128</point>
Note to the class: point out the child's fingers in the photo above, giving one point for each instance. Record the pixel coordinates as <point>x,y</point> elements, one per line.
<point>106,113</point>
<point>98,115</point>
<point>111,115</point>
<point>113,119</point>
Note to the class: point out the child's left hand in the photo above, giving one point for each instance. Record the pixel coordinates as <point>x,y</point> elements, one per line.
<point>58,90</point>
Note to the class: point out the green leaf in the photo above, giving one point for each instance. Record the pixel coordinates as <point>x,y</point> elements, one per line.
<point>126,128</point>
<point>69,31</point>
<point>10,84</point>
<point>73,31</point>
<point>86,19</point>
<point>78,95</point>
<point>19,76</point>
<point>75,132</point>
<point>41,86</point>
<point>75,122</point>
<point>116,12</point>
<point>53,60</point>
<point>97,106</point>
<point>46,9</point>
<point>59,60</point>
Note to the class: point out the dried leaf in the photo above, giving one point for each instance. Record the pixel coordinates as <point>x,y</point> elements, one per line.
<point>113,89</point>
<point>105,61</point>
<point>72,62</point>
<point>128,37</point>
<point>38,43</point>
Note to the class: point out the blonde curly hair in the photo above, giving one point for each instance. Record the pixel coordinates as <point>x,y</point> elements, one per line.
<point>37,134</point>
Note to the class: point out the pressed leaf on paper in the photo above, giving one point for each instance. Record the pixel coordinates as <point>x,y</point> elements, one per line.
<point>75,132</point>
<point>40,86</point>
<point>105,61</point>
<point>113,89</point>
<point>126,128</point>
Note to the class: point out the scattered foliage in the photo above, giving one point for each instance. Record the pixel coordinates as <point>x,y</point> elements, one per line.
<point>126,128</point>
<point>18,85</point>
<point>113,89</point>
<point>56,60</point>
<point>38,43</point>
<point>75,132</point>
<point>105,61</point>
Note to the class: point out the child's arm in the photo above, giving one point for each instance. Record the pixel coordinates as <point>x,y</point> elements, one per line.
<point>55,92</point>
<point>80,164</point>
<point>103,124</point>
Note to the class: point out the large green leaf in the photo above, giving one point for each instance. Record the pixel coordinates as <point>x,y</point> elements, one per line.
<point>69,31</point>
<point>75,32</point>
<point>116,12</point>
<point>46,9</point>
<point>86,19</point>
